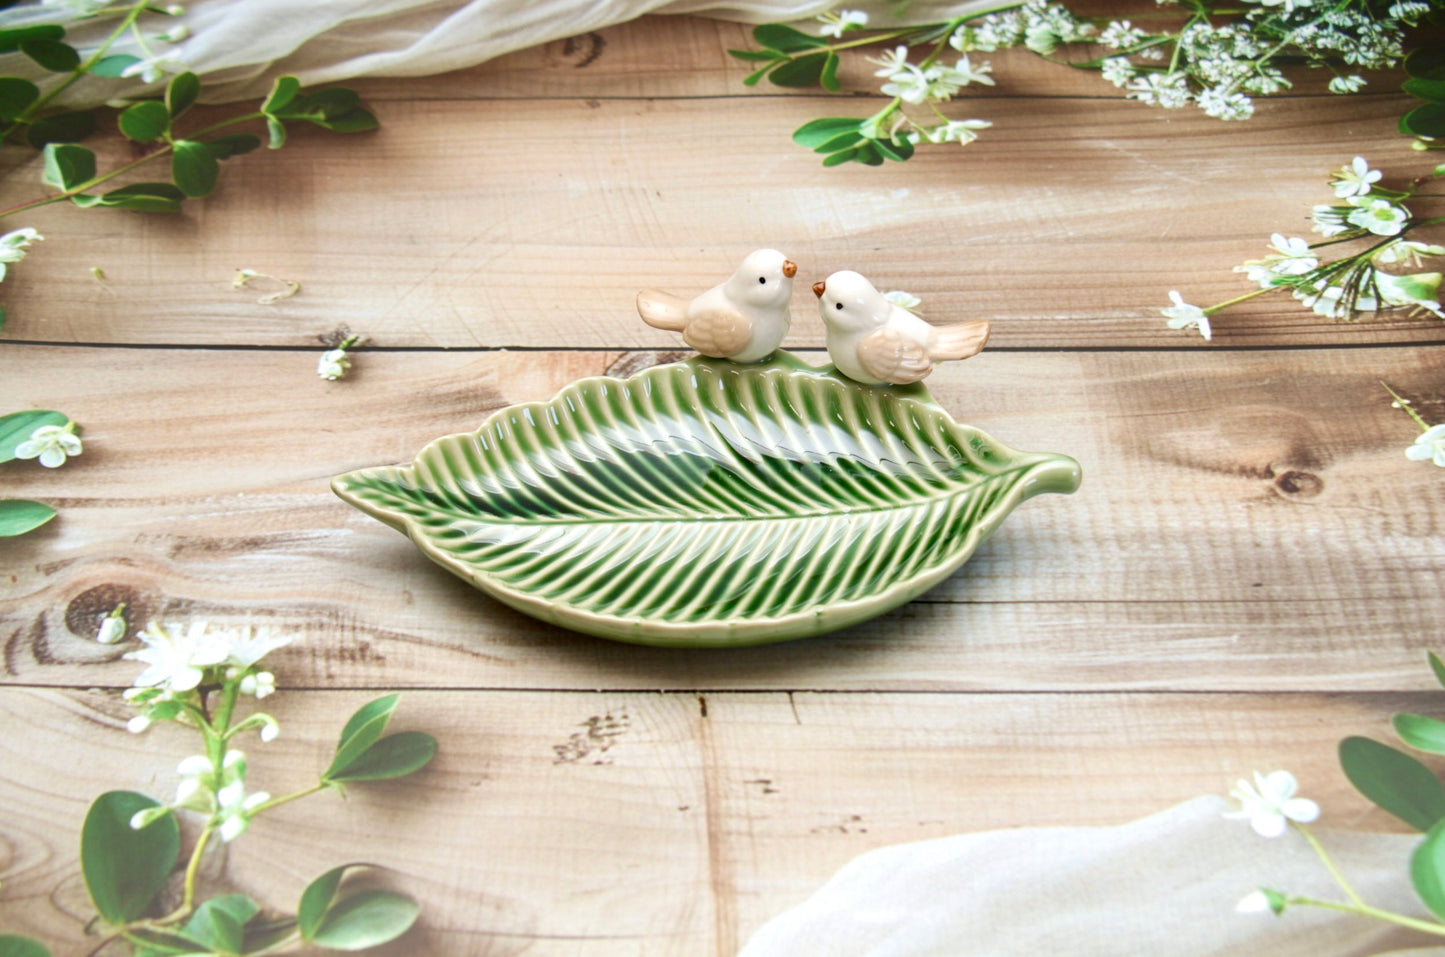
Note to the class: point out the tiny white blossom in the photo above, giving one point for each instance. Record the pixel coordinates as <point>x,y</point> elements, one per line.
<point>908,84</point>
<point>1379,216</point>
<point>246,646</point>
<point>1347,84</point>
<point>1429,447</point>
<point>1120,34</point>
<point>1169,90</point>
<point>1270,803</point>
<point>1184,316</point>
<point>152,68</point>
<point>236,808</point>
<point>1117,70</point>
<point>1355,179</point>
<point>175,659</point>
<point>1255,903</point>
<point>890,63</point>
<point>963,73</point>
<point>260,684</point>
<point>52,444</point>
<point>1223,104</point>
<point>836,24</point>
<point>333,365</point>
<point>959,131</point>
<point>1407,251</point>
<point>1291,257</point>
<point>176,34</point>
<point>138,724</point>
<point>1329,220</point>
<point>13,245</point>
<point>112,626</point>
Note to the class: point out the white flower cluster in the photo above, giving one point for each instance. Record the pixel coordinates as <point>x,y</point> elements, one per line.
<point>1365,210</point>
<point>177,659</point>
<point>336,363</point>
<point>1039,25</point>
<point>837,24</point>
<point>919,84</point>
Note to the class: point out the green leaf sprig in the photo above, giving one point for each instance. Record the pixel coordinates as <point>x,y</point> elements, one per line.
<point>1403,786</point>
<point>19,432</point>
<point>130,843</point>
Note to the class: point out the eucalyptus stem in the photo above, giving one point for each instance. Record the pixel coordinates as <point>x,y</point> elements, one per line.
<point>163,150</point>
<point>28,115</point>
<point>1365,910</point>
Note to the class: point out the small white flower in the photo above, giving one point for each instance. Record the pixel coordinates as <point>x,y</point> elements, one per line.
<point>908,84</point>
<point>1291,257</point>
<point>836,24</point>
<point>1225,105</point>
<point>1417,291</point>
<point>890,63</point>
<point>1169,90</point>
<point>1329,220</point>
<point>1117,70</point>
<point>1429,447</point>
<point>1347,84</point>
<point>13,245</point>
<point>963,73</point>
<point>260,684</point>
<point>1255,903</point>
<point>1184,316</point>
<point>177,660</point>
<point>1379,216</point>
<point>1270,803</point>
<point>270,731</point>
<point>246,646</point>
<point>1120,34</point>
<point>176,34</point>
<point>152,68</point>
<point>51,444</point>
<point>955,131</point>
<point>138,724</point>
<point>333,365</point>
<point>1355,179</point>
<point>112,626</point>
<point>236,808</point>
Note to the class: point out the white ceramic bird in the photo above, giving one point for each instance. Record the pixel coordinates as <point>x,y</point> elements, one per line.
<point>873,341</point>
<point>743,319</point>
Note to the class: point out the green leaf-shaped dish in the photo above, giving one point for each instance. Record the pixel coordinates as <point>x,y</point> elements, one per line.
<point>706,503</point>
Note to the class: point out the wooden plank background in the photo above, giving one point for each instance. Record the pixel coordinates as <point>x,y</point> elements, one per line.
<point>1250,571</point>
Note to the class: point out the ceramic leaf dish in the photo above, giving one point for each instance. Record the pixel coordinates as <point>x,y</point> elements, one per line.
<point>706,503</point>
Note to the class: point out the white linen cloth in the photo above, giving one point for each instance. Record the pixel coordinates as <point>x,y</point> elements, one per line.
<point>1162,886</point>
<point>238,46</point>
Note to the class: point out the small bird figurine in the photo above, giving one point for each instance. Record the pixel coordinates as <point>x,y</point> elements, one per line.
<point>873,341</point>
<point>743,319</point>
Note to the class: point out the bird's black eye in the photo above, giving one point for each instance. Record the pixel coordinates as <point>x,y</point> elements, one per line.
<point>838,306</point>
<point>763,280</point>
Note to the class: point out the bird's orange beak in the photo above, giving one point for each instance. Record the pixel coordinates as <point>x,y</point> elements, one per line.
<point>790,269</point>
<point>819,288</point>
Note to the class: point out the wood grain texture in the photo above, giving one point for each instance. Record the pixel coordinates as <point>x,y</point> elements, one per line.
<point>646,823</point>
<point>1248,510</point>
<point>509,223</point>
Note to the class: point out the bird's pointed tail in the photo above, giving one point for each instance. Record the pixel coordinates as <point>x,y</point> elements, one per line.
<point>959,340</point>
<point>662,310</point>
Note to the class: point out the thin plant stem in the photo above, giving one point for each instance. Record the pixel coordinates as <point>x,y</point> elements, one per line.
<point>1364,910</point>
<point>1330,865</point>
<point>288,798</point>
<point>1405,404</point>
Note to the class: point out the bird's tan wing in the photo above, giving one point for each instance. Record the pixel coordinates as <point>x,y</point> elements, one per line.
<point>718,332</point>
<point>662,310</point>
<point>893,357</point>
<point>959,340</point>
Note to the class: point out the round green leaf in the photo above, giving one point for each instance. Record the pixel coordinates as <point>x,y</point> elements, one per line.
<point>316,900</point>
<point>1394,781</point>
<point>1428,119</point>
<point>18,516</point>
<point>1427,870</point>
<point>14,946</point>
<point>114,65</point>
<point>11,39</point>
<point>358,120</point>
<point>17,427</point>
<point>146,198</point>
<point>61,128</point>
<point>53,55</point>
<point>362,730</point>
<point>16,95</point>
<point>219,924</point>
<point>1425,89</point>
<point>366,919</point>
<point>194,168</point>
<point>785,39</point>
<point>1420,732</point>
<point>181,93</point>
<point>283,91</point>
<point>818,132</point>
<point>233,144</point>
<point>125,869</point>
<point>1426,63</point>
<point>394,756</point>
<point>804,71</point>
<point>322,104</point>
<point>145,121</point>
<point>67,165</point>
